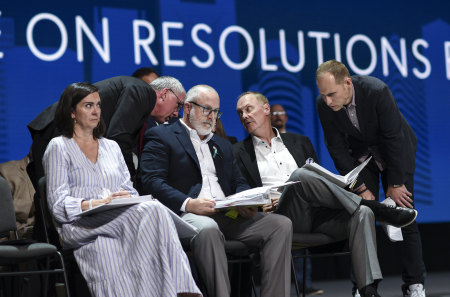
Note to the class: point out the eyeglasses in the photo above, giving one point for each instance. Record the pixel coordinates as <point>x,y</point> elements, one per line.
<point>179,102</point>
<point>208,110</point>
<point>278,113</point>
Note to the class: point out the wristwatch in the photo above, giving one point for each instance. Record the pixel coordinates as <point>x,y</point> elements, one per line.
<point>396,186</point>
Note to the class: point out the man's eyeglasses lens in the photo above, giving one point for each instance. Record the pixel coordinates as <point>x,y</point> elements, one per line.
<point>208,110</point>
<point>179,102</point>
<point>278,113</point>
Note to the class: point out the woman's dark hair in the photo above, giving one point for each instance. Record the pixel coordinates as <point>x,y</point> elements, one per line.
<point>68,101</point>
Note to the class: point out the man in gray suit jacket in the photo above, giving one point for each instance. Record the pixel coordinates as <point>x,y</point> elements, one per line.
<point>315,204</point>
<point>359,118</point>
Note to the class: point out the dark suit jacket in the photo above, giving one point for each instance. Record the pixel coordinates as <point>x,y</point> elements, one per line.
<point>126,104</point>
<point>171,170</point>
<point>384,132</point>
<point>299,146</point>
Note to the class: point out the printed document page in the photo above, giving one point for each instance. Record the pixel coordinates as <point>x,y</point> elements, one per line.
<point>184,229</point>
<point>339,180</point>
<point>255,196</point>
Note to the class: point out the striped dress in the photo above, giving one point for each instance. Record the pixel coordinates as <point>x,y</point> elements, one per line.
<point>128,251</point>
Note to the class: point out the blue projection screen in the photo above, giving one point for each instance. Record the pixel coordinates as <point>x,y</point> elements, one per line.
<point>235,46</point>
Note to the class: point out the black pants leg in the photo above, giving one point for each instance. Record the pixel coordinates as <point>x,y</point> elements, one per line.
<point>410,249</point>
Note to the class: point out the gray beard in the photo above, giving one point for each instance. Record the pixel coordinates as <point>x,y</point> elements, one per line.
<point>201,130</point>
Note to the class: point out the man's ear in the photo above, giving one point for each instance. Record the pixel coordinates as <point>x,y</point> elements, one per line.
<point>187,108</point>
<point>348,81</point>
<point>266,107</point>
<point>160,94</point>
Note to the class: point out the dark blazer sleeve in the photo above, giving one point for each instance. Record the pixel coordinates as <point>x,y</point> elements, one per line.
<point>229,175</point>
<point>168,172</point>
<point>392,137</point>
<point>132,100</point>
<point>300,147</point>
<point>42,130</point>
<point>244,153</point>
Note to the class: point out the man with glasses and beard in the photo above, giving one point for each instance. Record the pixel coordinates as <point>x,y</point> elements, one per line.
<point>188,168</point>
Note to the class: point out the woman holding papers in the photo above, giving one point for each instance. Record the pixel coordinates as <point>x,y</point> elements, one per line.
<point>127,251</point>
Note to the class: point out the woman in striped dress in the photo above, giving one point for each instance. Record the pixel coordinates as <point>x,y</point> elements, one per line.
<point>127,251</point>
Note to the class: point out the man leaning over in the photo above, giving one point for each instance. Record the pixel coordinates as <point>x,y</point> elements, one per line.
<point>360,117</point>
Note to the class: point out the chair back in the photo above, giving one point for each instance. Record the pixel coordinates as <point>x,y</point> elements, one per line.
<point>42,184</point>
<point>51,235</point>
<point>7,212</point>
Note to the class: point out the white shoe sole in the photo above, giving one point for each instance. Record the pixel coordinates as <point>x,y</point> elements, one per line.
<point>412,220</point>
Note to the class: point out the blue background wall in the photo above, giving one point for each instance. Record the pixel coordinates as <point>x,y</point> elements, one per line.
<point>272,47</point>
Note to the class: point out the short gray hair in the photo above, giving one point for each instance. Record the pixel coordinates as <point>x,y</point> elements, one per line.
<point>168,82</point>
<point>259,96</point>
<point>195,91</point>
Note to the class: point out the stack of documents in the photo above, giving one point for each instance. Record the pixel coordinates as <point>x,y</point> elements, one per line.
<point>341,181</point>
<point>255,196</point>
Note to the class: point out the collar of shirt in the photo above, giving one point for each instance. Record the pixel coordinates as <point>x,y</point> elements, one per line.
<point>259,142</point>
<point>275,162</point>
<point>194,135</point>
<point>350,110</point>
<point>353,102</point>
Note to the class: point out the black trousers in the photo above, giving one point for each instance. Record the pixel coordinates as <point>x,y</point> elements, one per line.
<point>409,250</point>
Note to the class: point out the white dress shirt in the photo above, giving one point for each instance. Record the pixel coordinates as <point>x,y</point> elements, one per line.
<point>210,183</point>
<point>275,162</point>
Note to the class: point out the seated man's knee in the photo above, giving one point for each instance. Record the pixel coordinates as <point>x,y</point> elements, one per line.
<point>210,233</point>
<point>301,174</point>
<point>282,223</point>
<point>365,213</point>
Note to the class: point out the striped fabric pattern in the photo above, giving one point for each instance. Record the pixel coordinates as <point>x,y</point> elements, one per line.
<point>129,251</point>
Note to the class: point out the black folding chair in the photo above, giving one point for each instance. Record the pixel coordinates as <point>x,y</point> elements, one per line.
<point>78,284</point>
<point>237,254</point>
<point>14,252</point>
<point>306,241</point>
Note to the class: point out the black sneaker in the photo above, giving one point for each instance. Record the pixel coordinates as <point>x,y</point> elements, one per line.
<point>391,215</point>
<point>369,291</point>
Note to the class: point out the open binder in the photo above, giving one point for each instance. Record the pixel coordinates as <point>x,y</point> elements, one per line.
<point>341,181</point>
<point>255,196</point>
